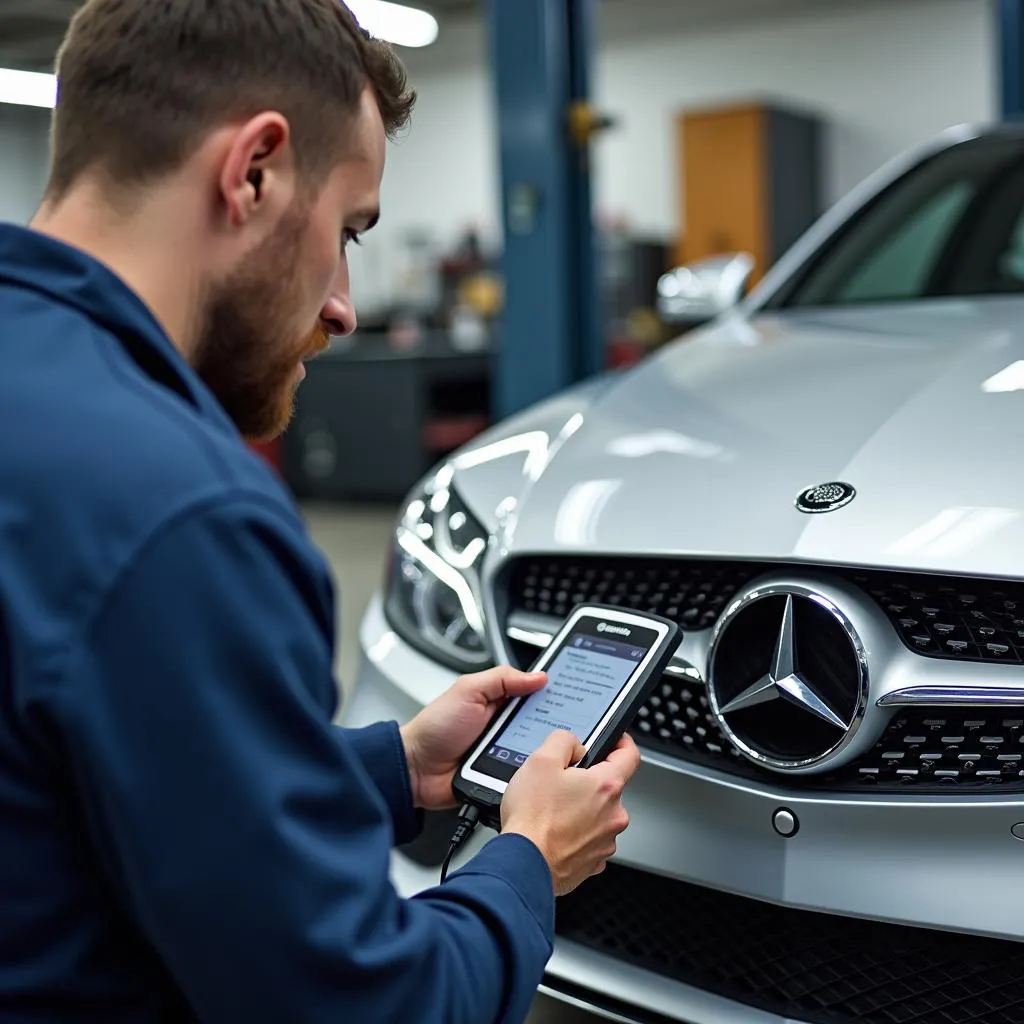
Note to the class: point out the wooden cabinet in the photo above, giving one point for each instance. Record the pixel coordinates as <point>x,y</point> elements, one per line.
<point>749,180</point>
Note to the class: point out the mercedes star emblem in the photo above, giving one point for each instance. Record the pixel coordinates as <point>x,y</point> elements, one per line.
<point>787,677</point>
<point>782,680</point>
<point>825,497</point>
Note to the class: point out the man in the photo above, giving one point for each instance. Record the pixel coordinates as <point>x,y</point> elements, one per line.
<point>186,836</point>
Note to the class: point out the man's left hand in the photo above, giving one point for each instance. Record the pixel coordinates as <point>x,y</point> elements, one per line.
<point>438,738</point>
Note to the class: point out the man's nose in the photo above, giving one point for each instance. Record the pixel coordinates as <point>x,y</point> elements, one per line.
<point>339,315</point>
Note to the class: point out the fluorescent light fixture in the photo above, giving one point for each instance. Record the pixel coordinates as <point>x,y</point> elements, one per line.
<point>395,23</point>
<point>28,88</point>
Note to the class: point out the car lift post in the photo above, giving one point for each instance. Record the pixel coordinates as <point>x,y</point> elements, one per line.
<point>1011,45</point>
<point>551,334</point>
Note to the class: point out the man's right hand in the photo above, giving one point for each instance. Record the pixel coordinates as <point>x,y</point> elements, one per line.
<point>572,815</point>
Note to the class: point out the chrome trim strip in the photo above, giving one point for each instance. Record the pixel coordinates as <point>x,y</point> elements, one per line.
<point>539,630</point>
<point>552,990</point>
<point>652,994</point>
<point>952,696</point>
<point>685,671</point>
<point>533,637</point>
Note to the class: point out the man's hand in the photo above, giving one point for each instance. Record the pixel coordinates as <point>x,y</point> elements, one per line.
<point>572,815</point>
<point>438,738</point>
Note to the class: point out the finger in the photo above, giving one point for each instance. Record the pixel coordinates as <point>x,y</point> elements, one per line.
<point>502,682</point>
<point>563,747</point>
<point>625,758</point>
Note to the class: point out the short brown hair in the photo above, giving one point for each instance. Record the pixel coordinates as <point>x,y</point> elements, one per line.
<point>141,82</point>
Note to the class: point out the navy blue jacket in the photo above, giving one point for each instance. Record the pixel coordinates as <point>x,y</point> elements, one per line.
<point>184,835</point>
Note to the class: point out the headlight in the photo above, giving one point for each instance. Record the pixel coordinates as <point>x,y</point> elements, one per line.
<point>433,588</point>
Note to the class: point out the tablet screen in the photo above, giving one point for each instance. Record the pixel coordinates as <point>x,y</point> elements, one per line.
<point>585,677</point>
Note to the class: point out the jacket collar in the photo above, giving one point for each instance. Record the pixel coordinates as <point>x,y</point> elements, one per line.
<point>70,277</point>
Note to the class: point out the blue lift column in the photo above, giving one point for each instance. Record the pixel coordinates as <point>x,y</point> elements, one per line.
<point>1011,45</point>
<point>550,335</point>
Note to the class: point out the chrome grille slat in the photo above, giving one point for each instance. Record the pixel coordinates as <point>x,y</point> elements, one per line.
<point>949,617</point>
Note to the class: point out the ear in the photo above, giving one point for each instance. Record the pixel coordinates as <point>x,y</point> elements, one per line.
<point>257,171</point>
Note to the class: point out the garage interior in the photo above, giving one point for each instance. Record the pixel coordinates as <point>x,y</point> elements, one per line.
<point>565,157</point>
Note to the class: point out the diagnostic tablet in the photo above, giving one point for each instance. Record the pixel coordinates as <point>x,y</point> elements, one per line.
<point>601,665</point>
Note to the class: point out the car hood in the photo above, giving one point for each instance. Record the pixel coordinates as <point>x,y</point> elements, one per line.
<point>703,449</point>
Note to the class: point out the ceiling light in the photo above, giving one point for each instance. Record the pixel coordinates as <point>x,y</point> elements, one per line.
<point>28,88</point>
<point>395,23</point>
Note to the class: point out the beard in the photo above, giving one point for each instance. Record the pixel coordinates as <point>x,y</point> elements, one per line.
<point>247,354</point>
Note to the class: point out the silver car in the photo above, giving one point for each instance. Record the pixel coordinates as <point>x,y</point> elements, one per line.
<point>825,487</point>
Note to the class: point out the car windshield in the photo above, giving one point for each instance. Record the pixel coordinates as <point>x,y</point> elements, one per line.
<point>953,226</point>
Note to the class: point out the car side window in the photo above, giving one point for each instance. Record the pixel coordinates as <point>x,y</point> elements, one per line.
<point>899,267</point>
<point>1011,264</point>
<point>949,227</point>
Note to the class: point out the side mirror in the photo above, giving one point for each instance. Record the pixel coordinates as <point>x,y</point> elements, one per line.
<point>698,292</point>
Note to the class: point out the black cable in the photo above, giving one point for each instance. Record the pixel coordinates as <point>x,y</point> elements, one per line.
<point>468,817</point>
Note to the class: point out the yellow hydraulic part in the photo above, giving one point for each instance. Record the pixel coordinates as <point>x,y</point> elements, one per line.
<point>585,122</point>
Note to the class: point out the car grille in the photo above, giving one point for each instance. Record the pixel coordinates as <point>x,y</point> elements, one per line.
<point>944,617</point>
<point>968,620</point>
<point>926,749</point>
<point>812,967</point>
<point>947,747</point>
<point>693,594</point>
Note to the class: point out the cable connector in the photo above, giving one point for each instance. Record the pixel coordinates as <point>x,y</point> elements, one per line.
<point>468,817</point>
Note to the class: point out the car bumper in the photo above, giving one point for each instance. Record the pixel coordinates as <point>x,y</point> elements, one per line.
<point>944,863</point>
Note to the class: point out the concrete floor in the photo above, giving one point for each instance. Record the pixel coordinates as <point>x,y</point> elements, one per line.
<point>355,540</point>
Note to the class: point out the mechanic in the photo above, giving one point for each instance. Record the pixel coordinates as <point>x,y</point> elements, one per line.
<point>186,833</point>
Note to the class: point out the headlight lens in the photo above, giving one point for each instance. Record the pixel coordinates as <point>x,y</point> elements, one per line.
<point>433,588</point>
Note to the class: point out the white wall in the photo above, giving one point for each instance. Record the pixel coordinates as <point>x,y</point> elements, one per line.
<point>441,176</point>
<point>24,156</point>
<point>886,74</point>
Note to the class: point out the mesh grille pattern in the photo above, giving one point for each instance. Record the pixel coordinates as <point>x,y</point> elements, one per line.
<point>942,617</point>
<point>693,594</point>
<point>927,749</point>
<point>812,967</point>
<point>932,749</point>
<point>677,718</point>
<point>948,747</point>
<point>970,620</point>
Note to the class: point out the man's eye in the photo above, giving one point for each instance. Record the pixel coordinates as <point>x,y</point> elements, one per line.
<point>351,236</point>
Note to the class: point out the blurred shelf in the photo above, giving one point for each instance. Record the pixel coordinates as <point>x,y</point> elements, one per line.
<point>372,419</point>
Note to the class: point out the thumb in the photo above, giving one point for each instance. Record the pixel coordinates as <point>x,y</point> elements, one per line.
<point>500,683</point>
<point>521,684</point>
<point>563,747</point>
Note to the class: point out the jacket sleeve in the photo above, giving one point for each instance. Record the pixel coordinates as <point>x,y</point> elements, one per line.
<point>382,755</point>
<point>239,827</point>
